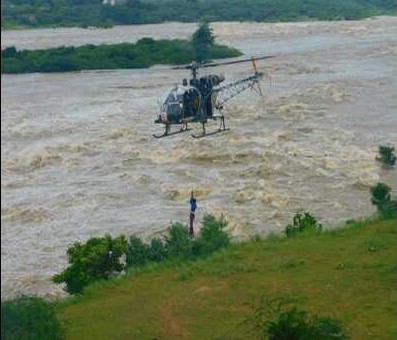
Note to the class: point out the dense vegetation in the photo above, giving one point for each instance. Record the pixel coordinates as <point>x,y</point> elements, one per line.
<point>29,318</point>
<point>273,319</point>
<point>35,13</point>
<point>381,198</point>
<point>386,155</point>
<point>145,53</point>
<point>97,259</point>
<point>303,222</point>
<point>100,257</point>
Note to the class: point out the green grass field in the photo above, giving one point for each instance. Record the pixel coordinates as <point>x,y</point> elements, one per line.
<point>347,274</point>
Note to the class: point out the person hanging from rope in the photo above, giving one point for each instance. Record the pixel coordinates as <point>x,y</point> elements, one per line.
<point>193,207</point>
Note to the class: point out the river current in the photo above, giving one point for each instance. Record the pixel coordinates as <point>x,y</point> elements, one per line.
<point>78,159</point>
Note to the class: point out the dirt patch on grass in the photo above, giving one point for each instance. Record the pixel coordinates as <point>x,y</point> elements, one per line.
<point>172,326</point>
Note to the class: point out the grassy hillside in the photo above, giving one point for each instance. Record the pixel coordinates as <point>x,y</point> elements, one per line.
<point>347,274</point>
<point>40,13</point>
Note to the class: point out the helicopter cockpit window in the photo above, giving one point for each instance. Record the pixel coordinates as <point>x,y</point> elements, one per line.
<point>173,104</point>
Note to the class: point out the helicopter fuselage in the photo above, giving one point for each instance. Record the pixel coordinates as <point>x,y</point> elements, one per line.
<point>195,102</point>
<point>190,103</point>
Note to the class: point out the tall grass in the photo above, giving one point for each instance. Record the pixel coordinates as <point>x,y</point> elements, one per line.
<point>29,318</point>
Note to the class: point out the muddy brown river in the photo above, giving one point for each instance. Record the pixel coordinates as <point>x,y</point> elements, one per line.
<point>78,159</point>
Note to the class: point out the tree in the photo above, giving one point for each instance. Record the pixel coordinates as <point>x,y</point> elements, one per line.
<point>303,221</point>
<point>212,236</point>
<point>178,243</point>
<point>29,317</point>
<point>202,39</point>
<point>274,320</point>
<point>137,253</point>
<point>97,259</point>
<point>386,155</point>
<point>382,199</point>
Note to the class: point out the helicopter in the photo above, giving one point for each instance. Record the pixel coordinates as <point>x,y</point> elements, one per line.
<point>202,98</point>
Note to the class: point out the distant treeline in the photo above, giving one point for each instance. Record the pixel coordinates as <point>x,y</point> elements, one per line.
<point>84,13</point>
<point>145,53</point>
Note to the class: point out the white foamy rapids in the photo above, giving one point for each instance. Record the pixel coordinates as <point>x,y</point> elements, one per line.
<point>122,132</point>
<point>33,158</point>
<point>23,214</point>
<point>176,193</point>
<point>35,285</point>
<point>38,156</point>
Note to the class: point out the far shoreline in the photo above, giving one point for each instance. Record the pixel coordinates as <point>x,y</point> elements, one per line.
<point>11,36</point>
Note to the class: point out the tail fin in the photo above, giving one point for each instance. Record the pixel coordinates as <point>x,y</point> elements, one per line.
<point>254,64</point>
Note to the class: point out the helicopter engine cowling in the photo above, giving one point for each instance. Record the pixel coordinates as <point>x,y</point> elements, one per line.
<point>216,79</point>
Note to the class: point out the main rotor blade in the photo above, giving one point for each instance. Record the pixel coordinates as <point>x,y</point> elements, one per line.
<point>187,66</point>
<point>199,65</point>
<point>237,61</point>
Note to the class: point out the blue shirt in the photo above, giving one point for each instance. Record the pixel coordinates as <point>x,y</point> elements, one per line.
<point>193,205</point>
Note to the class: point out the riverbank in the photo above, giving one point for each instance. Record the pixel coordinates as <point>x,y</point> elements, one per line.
<point>145,53</point>
<point>346,273</point>
<point>46,14</point>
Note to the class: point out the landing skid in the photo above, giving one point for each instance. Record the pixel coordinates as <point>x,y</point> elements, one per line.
<point>222,128</point>
<point>210,133</point>
<point>167,134</point>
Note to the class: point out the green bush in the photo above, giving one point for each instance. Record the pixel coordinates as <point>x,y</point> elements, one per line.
<point>91,262</point>
<point>157,251</point>
<point>98,258</point>
<point>294,324</point>
<point>386,155</point>
<point>137,253</point>
<point>178,244</point>
<point>303,221</point>
<point>381,197</point>
<point>29,318</point>
<point>212,236</point>
<point>273,320</point>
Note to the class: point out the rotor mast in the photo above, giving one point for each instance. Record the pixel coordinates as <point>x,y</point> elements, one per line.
<point>194,66</point>
<point>194,70</point>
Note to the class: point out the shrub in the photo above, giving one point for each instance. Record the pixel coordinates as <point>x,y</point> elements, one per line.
<point>94,260</point>
<point>157,251</point>
<point>29,318</point>
<point>9,52</point>
<point>178,243</point>
<point>386,155</point>
<point>137,252</point>
<point>295,324</point>
<point>273,320</point>
<point>381,197</point>
<point>212,236</point>
<point>303,221</point>
<point>99,258</point>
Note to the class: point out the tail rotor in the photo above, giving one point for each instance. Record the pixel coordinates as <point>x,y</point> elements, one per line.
<point>258,74</point>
